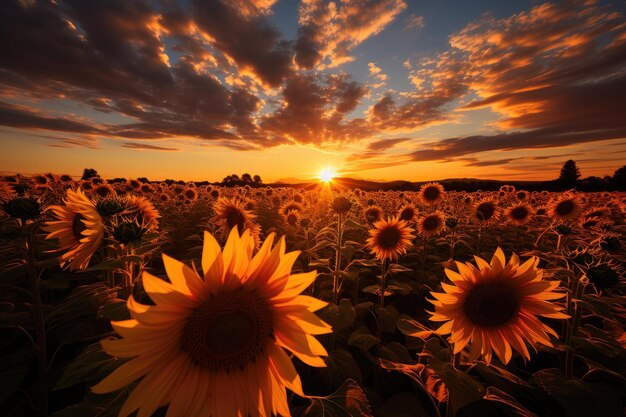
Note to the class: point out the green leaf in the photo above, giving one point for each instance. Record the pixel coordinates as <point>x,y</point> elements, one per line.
<point>339,316</point>
<point>340,365</point>
<point>348,401</point>
<point>389,316</point>
<point>395,352</point>
<point>402,404</point>
<point>90,366</point>
<point>115,310</point>
<point>413,328</point>
<point>577,397</point>
<point>396,268</point>
<point>507,403</point>
<point>462,388</point>
<point>363,339</point>
<point>93,405</point>
<point>365,262</point>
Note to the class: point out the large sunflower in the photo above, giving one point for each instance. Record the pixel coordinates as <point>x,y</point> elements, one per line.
<point>389,238</point>
<point>78,227</point>
<point>213,346</point>
<point>495,307</point>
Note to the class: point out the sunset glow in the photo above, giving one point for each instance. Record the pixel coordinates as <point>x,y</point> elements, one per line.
<point>381,89</point>
<point>307,208</point>
<point>327,175</point>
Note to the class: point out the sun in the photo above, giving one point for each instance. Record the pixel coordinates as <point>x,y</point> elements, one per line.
<point>327,174</point>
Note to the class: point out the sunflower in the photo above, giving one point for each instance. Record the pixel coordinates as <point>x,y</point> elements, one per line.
<point>566,208</point>
<point>373,214</point>
<point>407,213</point>
<point>431,193</point>
<point>78,227</point>
<point>291,205</point>
<point>134,184</point>
<point>292,218</point>
<point>519,214</point>
<point>146,188</point>
<point>495,307</point>
<point>143,210</point>
<point>485,211</point>
<point>389,238</point>
<point>103,190</point>
<point>431,224</point>
<point>215,345</point>
<point>6,190</point>
<point>191,194</point>
<point>231,214</point>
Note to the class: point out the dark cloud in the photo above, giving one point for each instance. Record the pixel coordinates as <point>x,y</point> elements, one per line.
<point>142,146</point>
<point>217,71</point>
<point>24,118</point>
<point>245,37</point>
<point>384,144</point>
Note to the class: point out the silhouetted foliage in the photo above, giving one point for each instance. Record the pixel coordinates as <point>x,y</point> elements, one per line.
<point>569,174</point>
<point>89,173</point>
<point>619,178</point>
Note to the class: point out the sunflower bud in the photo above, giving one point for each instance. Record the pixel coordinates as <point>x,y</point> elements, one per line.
<point>602,276</point>
<point>127,232</point>
<point>563,229</point>
<point>610,244</point>
<point>24,208</point>
<point>341,205</point>
<point>109,207</point>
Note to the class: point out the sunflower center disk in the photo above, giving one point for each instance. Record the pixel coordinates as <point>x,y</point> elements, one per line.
<point>389,237</point>
<point>491,305</point>
<point>519,213</point>
<point>431,223</point>
<point>234,218</point>
<point>485,211</point>
<point>431,193</point>
<point>565,207</point>
<point>228,331</point>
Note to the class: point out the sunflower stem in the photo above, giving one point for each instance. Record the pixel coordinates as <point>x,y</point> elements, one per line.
<point>40,330</point>
<point>384,268</point>
<point>574,309</point>
<point>337,259</point>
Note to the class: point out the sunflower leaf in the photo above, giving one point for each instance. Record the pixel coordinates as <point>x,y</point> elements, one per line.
<point>348,401</point>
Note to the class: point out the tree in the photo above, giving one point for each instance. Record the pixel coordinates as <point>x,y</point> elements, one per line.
<point>90,173</point>
<point>569,174</point>
<point>619,178</point>
<point>246,177</point>
<point>257,179</point>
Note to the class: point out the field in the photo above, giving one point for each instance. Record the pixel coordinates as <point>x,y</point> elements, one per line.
<point>182,300</point>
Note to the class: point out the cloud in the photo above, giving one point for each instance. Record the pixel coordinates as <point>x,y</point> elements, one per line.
<point>385,144</point>
<point>415,22</point>
<point>556,74</point>
<point>145,146</point>
<point>219,73</point>
<point>329,30</point>
<point>24,118</point>
<point>246,37</point>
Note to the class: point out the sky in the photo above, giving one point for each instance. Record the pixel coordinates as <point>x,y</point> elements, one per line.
<point>375,89</point>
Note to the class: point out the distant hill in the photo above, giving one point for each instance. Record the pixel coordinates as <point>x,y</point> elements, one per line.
<point>460,184</point>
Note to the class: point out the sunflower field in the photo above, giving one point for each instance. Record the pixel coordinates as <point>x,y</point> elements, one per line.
<point>154,299</point>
